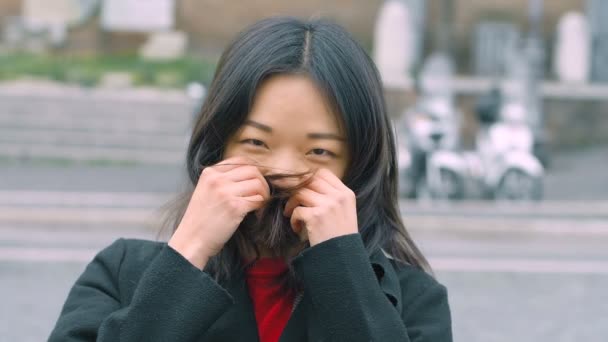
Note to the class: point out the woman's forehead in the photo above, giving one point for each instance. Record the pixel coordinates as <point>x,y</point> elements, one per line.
<point>295,101</point>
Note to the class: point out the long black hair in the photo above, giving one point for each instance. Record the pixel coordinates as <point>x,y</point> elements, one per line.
<point>338,65</point>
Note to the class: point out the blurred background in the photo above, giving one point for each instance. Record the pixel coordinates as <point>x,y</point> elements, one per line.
<point>500,109</point>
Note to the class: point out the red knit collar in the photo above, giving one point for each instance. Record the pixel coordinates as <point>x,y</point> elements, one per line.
<point>267,267</point>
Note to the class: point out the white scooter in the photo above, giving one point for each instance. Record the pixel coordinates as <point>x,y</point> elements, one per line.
<point>404,161</point>
<point>432,132</point>
<point>437,170</point>
<point>505,149</point>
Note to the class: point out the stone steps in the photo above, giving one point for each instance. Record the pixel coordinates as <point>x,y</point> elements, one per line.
<point>92,153</point>
<point>76,124</point>
<point>65,137</point>
<point>71,121</point>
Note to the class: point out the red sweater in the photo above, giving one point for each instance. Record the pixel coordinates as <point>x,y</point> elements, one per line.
<point>272,308</point>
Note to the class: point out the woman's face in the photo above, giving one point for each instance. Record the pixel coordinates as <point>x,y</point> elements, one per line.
<point>291,129</point>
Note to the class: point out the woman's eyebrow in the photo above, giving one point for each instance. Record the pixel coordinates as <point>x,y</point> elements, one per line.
<point>259,126</point>
<point>325,136</point>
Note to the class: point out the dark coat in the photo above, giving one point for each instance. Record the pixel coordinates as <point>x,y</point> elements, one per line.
<point>137,290</point>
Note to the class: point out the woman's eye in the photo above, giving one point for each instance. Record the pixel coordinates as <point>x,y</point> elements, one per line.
<point>322,152</point>
<point>254,142</point>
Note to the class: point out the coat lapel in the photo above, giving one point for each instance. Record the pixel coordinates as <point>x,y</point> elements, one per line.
<point>387,277</point>
<point>299,328</point>
<point>238,323</point>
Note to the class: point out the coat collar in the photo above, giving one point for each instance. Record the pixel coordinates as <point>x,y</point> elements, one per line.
<point>241,311</point>
<point>387,277</point>
<point>297,328</point>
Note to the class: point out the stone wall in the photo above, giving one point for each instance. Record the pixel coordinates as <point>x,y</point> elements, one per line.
<point>568,123</point>
<point>212,23</point>
<point>468,13</point>
<point>574,123</point>
<point>9,8</point>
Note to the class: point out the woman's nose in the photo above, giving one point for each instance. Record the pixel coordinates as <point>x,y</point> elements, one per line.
<point>287,165</point>
<point>287,162</point>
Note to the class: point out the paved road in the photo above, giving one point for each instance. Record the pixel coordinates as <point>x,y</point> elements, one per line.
<point>540,285</point>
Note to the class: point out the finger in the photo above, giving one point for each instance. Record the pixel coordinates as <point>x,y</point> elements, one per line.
<point>303,234</point>
<point>250,187</point>
<point>321,186</point>
<point>290,205</point>
<point>234,162</point>
<point>252,203</point>
<point>303,197</point>
<point>298,220</point>
<point>330,178</point>
<point>246,173</point>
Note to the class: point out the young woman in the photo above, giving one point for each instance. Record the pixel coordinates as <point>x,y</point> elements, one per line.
<point>291,230</point>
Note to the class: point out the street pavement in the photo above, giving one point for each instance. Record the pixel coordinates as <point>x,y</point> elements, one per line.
<point>530,272</point>
<point>547,286</point>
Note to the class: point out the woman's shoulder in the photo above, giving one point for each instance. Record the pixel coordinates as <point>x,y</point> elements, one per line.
<point>424,302</point>
<point>142,249</point>
<point>123,263</point>
<point>128,254</point>
<point>415,281</point>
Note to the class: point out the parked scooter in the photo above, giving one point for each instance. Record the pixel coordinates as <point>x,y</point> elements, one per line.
<point>505,145</point>
<point>437,170</point>
<point>433,127</point>
<point>404,160</point>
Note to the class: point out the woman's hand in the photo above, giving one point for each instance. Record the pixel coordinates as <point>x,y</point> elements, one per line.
<point>323,210</point>
<point>224,194</point>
